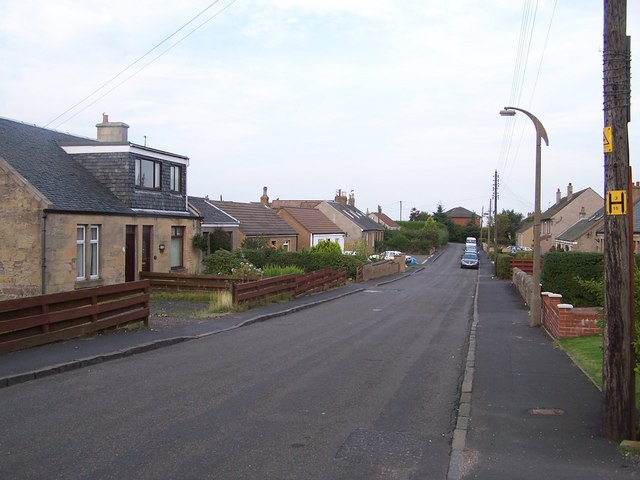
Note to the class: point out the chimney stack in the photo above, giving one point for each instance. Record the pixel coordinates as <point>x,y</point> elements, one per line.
<point>569,191</point>
<point>352,199</point>
<point>264,199</point>
<point>112,132</point>
<point>379,210</point>
<point>558,196</point>
<point>340,197</point>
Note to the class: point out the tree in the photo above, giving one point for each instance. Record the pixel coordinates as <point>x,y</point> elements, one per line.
<point>415,215</point>
<point>441,217</point>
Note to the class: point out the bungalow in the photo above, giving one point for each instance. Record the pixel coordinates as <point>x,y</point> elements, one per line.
<point>312,226</point>
<point>343,212</point>
<point>257,220</point>
<point>383,219</point>
<point>79,213</point>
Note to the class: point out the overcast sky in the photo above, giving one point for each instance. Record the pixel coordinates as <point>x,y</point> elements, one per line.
<point>395,100</point>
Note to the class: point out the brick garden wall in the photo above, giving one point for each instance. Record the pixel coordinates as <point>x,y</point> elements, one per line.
<point>564,321</point>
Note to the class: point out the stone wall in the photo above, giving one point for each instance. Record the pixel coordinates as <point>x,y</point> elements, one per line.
<point>524,283</point>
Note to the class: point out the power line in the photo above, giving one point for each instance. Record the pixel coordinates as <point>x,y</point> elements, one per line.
<point>112,79</point>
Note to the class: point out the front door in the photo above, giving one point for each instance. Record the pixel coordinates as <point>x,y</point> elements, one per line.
<point>130,254</point>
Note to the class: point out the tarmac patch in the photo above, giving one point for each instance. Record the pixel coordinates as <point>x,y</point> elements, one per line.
<point>546,411</point>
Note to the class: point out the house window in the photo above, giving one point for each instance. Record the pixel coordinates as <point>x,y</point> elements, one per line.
<point>147,174</point>
<point>285,245</point>
<point>94,251</point>
<point>177,245</point>
<point>80,252</point>
<point>87,252</point>
<point>176,178</point>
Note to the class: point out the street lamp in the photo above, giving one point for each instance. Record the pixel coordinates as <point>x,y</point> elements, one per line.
<point>541,133</point>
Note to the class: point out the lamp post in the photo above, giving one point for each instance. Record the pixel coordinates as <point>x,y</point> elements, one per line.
<point>541,134</point>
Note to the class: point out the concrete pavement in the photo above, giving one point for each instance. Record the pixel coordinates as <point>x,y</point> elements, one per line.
<point>526,412</point>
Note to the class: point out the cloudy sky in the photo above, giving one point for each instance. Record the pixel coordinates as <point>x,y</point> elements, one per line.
<point>395,100</point>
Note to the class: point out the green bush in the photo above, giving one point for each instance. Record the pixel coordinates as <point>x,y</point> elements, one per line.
<point>562,270</point>
<point>277,270</point>
<point>327,246</point>
<point>308,261</point>
<point>223,262</point>
<point>504,266</point>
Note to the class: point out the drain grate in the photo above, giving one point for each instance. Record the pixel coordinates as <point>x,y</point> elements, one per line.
<point>546,411</point>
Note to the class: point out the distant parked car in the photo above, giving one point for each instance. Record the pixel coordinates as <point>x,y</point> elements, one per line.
<point>469,260</point>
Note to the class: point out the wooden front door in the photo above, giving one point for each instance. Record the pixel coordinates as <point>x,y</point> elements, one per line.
<point>130,254</point>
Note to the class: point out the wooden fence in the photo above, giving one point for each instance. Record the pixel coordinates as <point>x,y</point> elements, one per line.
<point>180,282</point>
<point>524,264</point>
<point>287,284</point>
<point>31,321</point>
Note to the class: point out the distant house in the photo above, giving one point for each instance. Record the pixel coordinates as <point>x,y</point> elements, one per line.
<point>312,226</point>
<point>461,216</point>
<point>587,234</point>
<point>257,220</point>
<point>214,221</point>
<point>582,235</point>
<point>383,219</point>
<point>524,234</point>
<point>566,212</point>
<point>343,212</point>
<point>79,213</point>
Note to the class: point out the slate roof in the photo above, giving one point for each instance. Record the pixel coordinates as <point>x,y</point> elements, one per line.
<point>356,216</point>
<point>313,220</point>
<point>212,215</point>
<point>578,229</point>
<point>636,220</point>
<point>35,153</point>
<point>255,218</point>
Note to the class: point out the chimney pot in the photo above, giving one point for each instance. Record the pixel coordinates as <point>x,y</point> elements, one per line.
<point>558,196</point>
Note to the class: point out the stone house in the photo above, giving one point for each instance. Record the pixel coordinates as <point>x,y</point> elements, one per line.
<point>213,220</point>
<point>566,212</point>
<point>383,219</point>
<point>257,220</point>
<point>81,213</point>
<point>343,212</point>
<point>312,226</point>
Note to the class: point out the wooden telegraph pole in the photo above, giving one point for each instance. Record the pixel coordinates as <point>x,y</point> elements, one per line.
<point>618,387</point>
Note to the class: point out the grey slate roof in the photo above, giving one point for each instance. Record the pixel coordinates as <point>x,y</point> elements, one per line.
<point>35,153</point>
<point>578,229</point>
<point>211,214</point>
<point>255,218</point>
<point>356,216</point>
<point>636,220</point>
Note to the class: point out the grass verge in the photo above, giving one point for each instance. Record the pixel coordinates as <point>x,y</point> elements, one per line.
<point>586,352</point>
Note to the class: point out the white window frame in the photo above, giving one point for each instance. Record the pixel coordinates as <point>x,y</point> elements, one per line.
<point>87,252</point>
<point>94,252</point>
<point>175,178</point>
<point>81,251</point>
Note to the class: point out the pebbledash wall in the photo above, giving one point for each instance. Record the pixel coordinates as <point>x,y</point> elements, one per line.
<point>561,320</point>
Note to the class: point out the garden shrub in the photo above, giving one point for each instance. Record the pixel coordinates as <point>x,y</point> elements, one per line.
<point>561,271</point>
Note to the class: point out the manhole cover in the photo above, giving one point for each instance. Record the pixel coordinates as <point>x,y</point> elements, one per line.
<point>546,411</point>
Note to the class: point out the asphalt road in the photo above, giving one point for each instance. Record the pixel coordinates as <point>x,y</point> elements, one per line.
<point>364,387</point>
